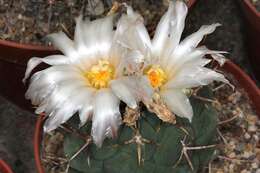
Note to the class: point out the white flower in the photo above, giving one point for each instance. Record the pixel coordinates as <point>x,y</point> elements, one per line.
<point>172,65</point>
<point>87,79</point>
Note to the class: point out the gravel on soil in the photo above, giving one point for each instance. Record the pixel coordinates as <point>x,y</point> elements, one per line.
<point>238,132</point>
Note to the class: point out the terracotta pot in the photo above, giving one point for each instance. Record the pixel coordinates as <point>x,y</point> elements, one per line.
<point>4,167</point>
<point>243,79</point>
<point>252,18</point>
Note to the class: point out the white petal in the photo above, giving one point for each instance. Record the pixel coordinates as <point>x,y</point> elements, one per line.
<point>51,60</point>
<point>162,31</point>
<point>63,91</point>
<point>123,92</point>
<point>199,53</point>
<point>61,41</point>
<point>106,116</point>
<point>131,32</point>
<point>177,24</point>
<point>60,115</point>
<point>195,76</point>
<point>192,41</point>
<point>139,86</point>
<point>85,113</point>
<point>131,42</point>
<point>177,62</point>
<point>78,35</point>
<point>197,63</point>
<point>134,62</point>
<point>178,103</point>
<point>57,118</point>
<point>43,82</point>
<point>219,58</point>
<point>82,99</point>
<point>97,36</point>
<point>144,90</point>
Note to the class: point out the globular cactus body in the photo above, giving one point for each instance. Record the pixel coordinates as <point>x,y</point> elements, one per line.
<point>158,144</point>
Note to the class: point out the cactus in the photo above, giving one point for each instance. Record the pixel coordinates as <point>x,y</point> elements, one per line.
<point>161,146</point>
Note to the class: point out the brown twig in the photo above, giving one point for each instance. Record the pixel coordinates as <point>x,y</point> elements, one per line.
<point>221,136</point>
<point>201,147</point>
<point>80,150</point>
<point>206,99</point>
<point>88,141</point>
<point>218,87</point>
<point>234,159</point>
<point>66,30</point>
<point>74,131</point>
<point>228,120</point>
<point>185,150</point>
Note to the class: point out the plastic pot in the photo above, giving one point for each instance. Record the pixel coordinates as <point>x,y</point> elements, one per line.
<point>243,79</point>
<point>4,167</point>
<point>252,19</point>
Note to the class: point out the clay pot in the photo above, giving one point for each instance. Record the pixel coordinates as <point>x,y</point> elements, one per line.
<point>243,79</point>
<point>252,18</point>
<point>4,167</point>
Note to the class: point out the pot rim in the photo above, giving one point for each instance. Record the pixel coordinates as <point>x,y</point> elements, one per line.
<point>244,80</point>
<point>39,47</point>
<point>37,143</point>
<point>252,8</point>
<point>191,3</point>
<point>27,46</point>
<point>5,167</point>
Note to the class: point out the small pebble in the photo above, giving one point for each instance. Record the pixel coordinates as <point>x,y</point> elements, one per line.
<point>20,16</point>
<point>247,154</point>
<point>231,167</point>
<point>256,137</point>
<point>254,165</point>
<point>245,171</point>
<point>247,136</point>
<point>252,128</point>
<point>219,171</point>
<point>232,155</point>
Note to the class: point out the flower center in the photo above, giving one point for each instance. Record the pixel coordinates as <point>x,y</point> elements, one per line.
<point>156,75</point>
<point>100,74</point>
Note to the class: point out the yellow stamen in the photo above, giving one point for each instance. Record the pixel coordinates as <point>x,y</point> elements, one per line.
<point>100,74</point>
<point>156,75</point>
